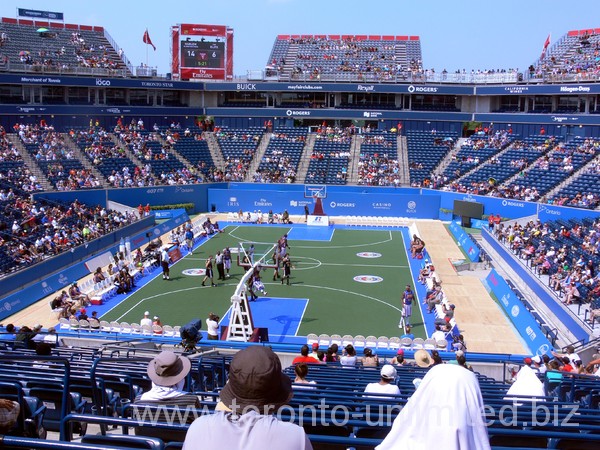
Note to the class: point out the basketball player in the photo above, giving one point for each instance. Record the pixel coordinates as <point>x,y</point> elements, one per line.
<point>408,297</point>
<point>227,261</point>
<point>276,262</point>
<point>208,275</point>
<point>287,269</point>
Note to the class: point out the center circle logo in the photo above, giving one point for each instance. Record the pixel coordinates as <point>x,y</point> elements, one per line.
<point>194,272</point>
<point>368,255</point>
<point>412,205</point>
<point>368,279</point>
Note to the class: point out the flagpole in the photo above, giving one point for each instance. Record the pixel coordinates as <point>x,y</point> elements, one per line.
<point>146,51</point>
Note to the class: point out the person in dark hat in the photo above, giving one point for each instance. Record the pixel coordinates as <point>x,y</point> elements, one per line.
<point>244,418</point>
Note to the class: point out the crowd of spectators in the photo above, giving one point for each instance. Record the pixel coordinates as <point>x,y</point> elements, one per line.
<point>567,252</point>
<point>33,230</point>
<point>379,168</point>
<point>237,162</point>
<point>577,58</point>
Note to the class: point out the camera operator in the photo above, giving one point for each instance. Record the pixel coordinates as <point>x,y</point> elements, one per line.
<point>212,326</point>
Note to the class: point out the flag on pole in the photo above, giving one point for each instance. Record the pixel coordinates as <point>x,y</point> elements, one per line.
<point>147,40</point>
<point>546,44</point>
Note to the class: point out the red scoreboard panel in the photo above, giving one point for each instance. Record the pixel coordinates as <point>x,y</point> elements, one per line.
<point>202,52</point>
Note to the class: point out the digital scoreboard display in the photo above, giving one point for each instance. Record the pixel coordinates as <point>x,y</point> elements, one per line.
<point>199,54</point>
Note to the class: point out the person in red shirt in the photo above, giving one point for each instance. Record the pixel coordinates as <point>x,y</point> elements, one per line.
<point>304,358</point>
<point>566,367</point>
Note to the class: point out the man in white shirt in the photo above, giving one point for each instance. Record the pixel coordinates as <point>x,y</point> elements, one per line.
<point>164,262</point>
<point>146,320</point>
<point>386,384</point>
<point>438,334</point>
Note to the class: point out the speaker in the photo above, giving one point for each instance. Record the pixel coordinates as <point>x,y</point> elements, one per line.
<point>465,222</point>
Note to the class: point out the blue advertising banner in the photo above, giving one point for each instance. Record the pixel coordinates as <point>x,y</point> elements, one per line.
<point>343,87</point>
<point>299,113</point>
<point>509,209</point>
<point>556,119</point>
<point>541,89</point>
<point>552,212</point>
<point>168,213</point>
<point>521,318</point>
<point>573,324</point>
<point>465,241</point>
<point>99,110</point>
<point>37,14</point>
<point>336,203</point>
<point>100,82</point>
<point>60,280</point>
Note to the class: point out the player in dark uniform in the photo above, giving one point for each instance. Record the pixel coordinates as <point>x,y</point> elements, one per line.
<point>208,275</point>
<point>227,261</point>
<point>277,263</point>
<point>287,269</point>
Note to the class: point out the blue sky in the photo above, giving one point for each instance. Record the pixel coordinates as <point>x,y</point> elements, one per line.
<point>454,34</point>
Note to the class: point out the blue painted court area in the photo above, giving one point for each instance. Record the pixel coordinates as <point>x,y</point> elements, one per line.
<point>310,233</point>
<point>282,316</point>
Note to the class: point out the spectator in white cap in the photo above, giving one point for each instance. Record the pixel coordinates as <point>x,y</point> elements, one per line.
<point>146,320</point>
<point>537,366</point>
<point>386,385</point>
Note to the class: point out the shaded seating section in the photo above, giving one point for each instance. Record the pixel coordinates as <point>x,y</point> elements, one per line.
<point>554,167</point>
<point>583,191</point>
<point>238,146</point>
<point>330,156</point>
<point>425,151</point>
<point>346,57</point>
<point>378,161</point>
<point>572,58</point>
<point>62,48</point>
<point>107,157</point>
<point>282,156</point>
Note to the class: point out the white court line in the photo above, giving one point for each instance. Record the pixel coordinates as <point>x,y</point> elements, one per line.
<point>302,316</point>
<point>350,293</point>
<point>364,265</point>
<point>367,244</point>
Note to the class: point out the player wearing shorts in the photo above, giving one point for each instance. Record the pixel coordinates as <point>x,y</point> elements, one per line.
<point>276,262</point>
<point>208,275</point>
<point>408,297</point>
<point>287,269</point>
<point>227,261</point>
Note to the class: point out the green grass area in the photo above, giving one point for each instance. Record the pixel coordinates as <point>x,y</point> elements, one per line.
<point>324,273</point>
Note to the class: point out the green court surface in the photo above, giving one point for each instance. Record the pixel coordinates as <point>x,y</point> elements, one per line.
<point>325,272</point>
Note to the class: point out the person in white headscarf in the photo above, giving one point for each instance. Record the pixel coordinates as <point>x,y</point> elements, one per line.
<point>526,384</point>
<point>446,411</point>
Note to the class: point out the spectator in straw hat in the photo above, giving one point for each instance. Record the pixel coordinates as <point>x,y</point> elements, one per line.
<point>167,371</point>
<point>422,358</point>
<point>244,417</point>
<point>9,412</point>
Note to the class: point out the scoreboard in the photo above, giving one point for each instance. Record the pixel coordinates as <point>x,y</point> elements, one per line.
<point>200,54</point>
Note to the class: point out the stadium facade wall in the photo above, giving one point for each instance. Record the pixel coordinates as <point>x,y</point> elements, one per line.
<point>57,273</point>
<point>574,325</point>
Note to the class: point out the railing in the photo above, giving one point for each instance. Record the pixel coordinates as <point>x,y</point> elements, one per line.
<point>114,45</point>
